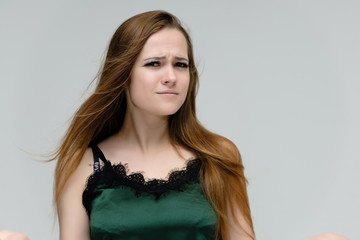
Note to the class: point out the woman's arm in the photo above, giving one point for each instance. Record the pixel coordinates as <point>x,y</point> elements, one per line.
<point>73,219</point>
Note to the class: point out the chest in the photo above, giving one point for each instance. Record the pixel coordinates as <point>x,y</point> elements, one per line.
<point>120,214</point>
<point>125,207</point>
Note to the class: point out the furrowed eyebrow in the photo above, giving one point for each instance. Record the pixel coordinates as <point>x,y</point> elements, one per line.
<point>163,57</point>
<point>154,58</point>
<point>182,59</point>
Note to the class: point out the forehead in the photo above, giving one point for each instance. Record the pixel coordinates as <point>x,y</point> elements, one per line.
<point>164,42</point>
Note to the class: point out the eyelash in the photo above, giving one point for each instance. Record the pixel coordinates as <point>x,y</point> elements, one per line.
<point>182,65</point>
<point>152,64</point>
<point>157,64</point>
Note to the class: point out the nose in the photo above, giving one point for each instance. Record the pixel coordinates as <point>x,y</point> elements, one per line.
<point>169,76</point>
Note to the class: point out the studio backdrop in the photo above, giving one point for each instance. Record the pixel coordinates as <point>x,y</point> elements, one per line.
<point>279,78</point>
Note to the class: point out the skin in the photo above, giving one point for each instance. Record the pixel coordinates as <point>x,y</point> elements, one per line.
<point>158,88</point>
<point>328,236</point>
<point>10,235</point>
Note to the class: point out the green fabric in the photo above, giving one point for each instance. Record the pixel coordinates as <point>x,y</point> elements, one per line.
<point>118,214</point>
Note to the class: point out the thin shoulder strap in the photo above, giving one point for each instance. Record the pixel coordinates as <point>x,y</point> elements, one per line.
<point>97,153</point>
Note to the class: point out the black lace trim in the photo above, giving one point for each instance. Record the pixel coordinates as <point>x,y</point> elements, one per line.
<point>112,176</point>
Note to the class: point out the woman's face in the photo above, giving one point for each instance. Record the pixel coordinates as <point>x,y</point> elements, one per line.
<point>160,76</point>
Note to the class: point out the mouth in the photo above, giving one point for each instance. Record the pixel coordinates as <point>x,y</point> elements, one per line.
<point>168,93</point>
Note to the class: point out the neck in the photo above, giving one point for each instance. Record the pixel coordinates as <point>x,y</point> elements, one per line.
<point>147,133</point>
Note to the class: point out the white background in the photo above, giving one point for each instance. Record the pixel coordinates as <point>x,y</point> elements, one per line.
<point>280,78</point>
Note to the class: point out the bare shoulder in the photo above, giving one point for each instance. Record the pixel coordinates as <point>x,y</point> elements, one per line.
<point>84,170</point>
<point>73,219</point>
<point>77,181</point>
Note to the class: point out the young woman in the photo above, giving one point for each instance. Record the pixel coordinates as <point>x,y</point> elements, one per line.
<point>135,162</point>
<point>140,124</point>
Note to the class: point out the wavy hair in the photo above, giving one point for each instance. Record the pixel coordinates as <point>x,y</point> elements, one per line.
<point>102,115</point>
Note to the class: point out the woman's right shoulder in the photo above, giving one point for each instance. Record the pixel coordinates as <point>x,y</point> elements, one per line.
<point>84,169</point>
<point>76,183</point>
<point>73,219</point>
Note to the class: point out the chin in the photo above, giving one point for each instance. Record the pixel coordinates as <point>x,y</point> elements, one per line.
<point>169,112</point>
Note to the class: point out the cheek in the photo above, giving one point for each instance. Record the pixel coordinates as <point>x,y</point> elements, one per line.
<point>136,93</point>
<point>133,91</point>
<point>137,85</point>
<point>140,93</point>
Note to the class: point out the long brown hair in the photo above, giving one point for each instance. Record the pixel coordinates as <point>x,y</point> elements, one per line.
<point>102,115</point>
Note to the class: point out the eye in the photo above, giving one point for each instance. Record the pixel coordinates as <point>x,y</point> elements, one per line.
<point>181,65</point>
<point>153,64</point>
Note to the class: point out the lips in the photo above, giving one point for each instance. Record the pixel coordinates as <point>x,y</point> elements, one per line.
<point>168,92</point>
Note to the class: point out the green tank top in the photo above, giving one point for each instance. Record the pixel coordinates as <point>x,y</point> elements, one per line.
<point>127,207</point>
